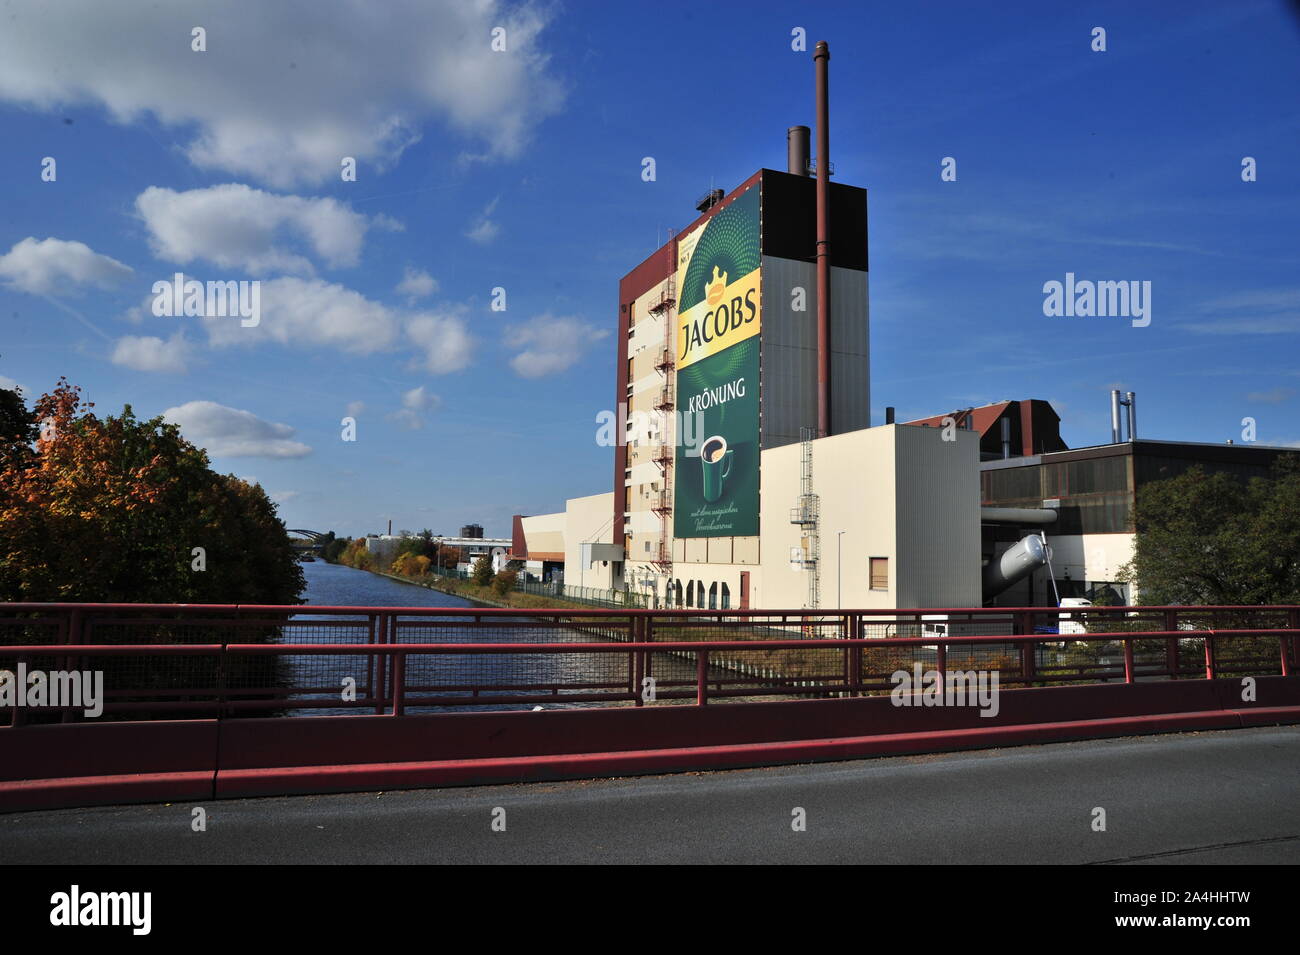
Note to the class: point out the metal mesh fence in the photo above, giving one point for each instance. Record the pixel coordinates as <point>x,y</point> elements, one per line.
<point>754,656</point>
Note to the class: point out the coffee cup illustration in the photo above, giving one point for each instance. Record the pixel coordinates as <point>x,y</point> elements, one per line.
<point>715,461</point>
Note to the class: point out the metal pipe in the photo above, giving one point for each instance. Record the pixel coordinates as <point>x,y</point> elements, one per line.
<point>821,60</point>
<point>1132,416</point>
<point>796,150</point>
<point>889,415</point>
<point>1114,416</point>
<point>1017,515</point>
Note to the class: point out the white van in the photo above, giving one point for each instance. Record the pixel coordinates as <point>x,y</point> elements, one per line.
<point>1074,623</point>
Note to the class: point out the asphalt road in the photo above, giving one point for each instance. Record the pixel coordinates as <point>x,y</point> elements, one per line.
<point>1198,798</point>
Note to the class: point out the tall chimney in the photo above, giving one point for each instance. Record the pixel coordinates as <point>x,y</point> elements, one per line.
<point>796,150</point>
<point>1132,416</point>
<point>889,415</point>
<point>1114,416</point>
<point>821,60</point>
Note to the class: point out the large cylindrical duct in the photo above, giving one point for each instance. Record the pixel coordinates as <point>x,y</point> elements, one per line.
<point>797,144</point>
<point>1017,562</point>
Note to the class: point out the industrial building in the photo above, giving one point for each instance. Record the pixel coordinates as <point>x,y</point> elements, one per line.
<point>747,473</point>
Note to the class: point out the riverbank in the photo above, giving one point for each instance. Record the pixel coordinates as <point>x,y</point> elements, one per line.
<point>488,596</point>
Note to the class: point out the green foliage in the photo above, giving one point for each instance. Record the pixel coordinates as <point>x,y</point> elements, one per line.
<point>333,549</point>
<point>482,572</point>
<point>504,582</point>
<point>1206,539</point>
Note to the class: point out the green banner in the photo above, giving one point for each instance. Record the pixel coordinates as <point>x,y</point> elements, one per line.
<point>717,480</point>
<point>716,493</point>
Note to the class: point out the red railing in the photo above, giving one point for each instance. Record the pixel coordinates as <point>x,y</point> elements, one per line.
<point>174,661</point>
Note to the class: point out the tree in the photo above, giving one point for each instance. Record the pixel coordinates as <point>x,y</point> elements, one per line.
<point>118,509</point>
<point>1212,539</point>
<point>482,572</point>
<point>505,582</point>
<point>18,428</point>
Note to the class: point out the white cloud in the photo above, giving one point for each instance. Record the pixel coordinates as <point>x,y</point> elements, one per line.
<point>355,408</point>
<point>444,340</point>
<point>484,230</point>
<point>312,312</point>
<point>284,99</point>
<point>232,433</point>
<point>415,403</point>
<point>1256,312</point>
<point>235,226</point>
<point>9,384</point>
<point>54,266</point>
<point>416,283</point>
<point>1273,396</point>
<point>282,497</point>
<point>147,353</point>
<point>550,344</point>
<point>315,313</point>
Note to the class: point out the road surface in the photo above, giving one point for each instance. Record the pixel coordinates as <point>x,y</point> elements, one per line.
<point>1210,797</point>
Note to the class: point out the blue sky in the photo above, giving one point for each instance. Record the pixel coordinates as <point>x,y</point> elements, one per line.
<point>522,170</point>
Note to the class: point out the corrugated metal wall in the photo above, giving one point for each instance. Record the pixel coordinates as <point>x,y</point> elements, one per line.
<point>789,353</point>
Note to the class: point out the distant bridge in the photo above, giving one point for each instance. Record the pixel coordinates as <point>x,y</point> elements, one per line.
<point>307,540</point>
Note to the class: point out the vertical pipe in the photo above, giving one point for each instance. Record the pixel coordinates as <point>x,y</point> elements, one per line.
<point>1114,416</point>
<point>821,59</point>
<point>1132,416</point>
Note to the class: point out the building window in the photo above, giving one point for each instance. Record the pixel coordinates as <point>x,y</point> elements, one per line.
<point>713,595</point>
<point>726,596</point>
<point>647,547</point>
<point>690,593</point>
<point>880,573</point>
<point>677,593</point>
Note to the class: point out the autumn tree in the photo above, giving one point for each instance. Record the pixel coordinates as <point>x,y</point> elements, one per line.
<point>122,510</point>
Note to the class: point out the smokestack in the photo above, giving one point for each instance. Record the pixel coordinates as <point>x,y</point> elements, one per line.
<point>390,527</point>
<point>1132,417</point>
<point>1114,416</point>
<point>1006,437</point>
<point>796,150</point>
<point>821,60</point>
<point>889,415</point>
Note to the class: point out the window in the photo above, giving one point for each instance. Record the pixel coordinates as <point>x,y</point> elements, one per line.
<point>647,547</point>
<point>713,595</point>
<point>726,596</point>
<point>880,573</point>
<point>690,593</point>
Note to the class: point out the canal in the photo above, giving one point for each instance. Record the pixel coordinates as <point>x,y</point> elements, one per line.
<point>335,585</point>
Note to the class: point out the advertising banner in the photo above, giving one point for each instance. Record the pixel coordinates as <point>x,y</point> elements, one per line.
<point>716,492</point>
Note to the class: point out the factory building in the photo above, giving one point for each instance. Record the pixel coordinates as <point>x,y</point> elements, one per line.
<point>746,473</point>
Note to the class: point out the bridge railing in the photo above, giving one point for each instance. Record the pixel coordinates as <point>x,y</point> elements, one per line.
<point>200,661</point>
